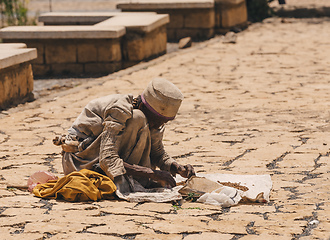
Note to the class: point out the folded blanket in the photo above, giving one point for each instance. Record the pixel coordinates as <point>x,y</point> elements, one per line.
<point>84,185</point>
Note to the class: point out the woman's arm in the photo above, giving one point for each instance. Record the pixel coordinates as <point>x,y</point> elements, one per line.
<point>162,177</point>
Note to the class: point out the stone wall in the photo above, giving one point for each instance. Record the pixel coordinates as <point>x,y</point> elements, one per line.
<point>199,20</point>
<point>74,56</point>
<point>196,23</point>
<point>16,85</point>
<point>118,42</point>
<point>143,46</point>
<point>229,14</point>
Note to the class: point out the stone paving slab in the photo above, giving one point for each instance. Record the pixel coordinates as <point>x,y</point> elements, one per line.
<point>260,106</point>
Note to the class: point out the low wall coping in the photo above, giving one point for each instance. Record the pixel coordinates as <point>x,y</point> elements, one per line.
<point>165,4</point>
<point>10,57</point>
<point>82,17</point>
<point>229,2</point>
<point>61,32</point>
<point>148,23</point>
<point>5,46</point>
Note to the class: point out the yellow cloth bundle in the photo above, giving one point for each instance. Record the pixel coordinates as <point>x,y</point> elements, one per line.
<point>85,185</point>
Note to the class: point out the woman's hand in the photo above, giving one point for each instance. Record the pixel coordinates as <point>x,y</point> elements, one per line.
<point>186,171</point>
<point>162,177</point>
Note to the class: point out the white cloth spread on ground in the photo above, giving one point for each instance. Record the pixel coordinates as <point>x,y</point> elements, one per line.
<point>259,186</point>
<point>131,190</point>
<point>256,188</point>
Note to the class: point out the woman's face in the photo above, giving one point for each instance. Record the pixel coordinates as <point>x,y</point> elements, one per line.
<point>155,122</point>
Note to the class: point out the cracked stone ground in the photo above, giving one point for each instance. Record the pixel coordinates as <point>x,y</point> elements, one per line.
<point>260,106</point>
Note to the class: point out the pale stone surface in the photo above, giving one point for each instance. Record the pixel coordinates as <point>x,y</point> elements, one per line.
<point>61,52</point>
<point>229,2</point>
<point>233,15</point>
<point>10,57</point>
<point>200,18</point>
<point>159,236</point>
<point>209,235</point>
<point>6,46</point>
<point>135,22</point>
<point>109,51</point>
<point>185,42</point>
<point>61,32</point>
<point>168,4</point>
<point>86,53</point>
<point>259,106</point>
<point>137,47</point>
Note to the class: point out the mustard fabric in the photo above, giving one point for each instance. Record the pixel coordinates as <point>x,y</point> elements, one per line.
<point>85,185</point>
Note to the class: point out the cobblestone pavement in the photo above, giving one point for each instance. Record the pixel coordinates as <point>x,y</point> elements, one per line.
<point>260,106</point>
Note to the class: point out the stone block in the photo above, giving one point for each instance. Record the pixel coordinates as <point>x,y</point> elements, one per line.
<point>196,34</point>
<point>102,68</point>
<point>127,64</point>
<point>11,56</point>
<point>138,47</point>
<point>183,15</point>
<point>155,43</point>
<point>73,18</point>
<point>171,35</point>
<point>199,18</point>
<point>133,47</point>
<point>230,13</point>
<point>41,69</point>
<point>61,32</point>
<point>136,22</point>
<point>60,51</point>
<point>161,42</point>
<point>67,68</point>
<point>176,17</point>
<point>71,49</point>
<point>109,50</point>
<point>40,46</point>
<point>16,85</point>
<point>86,52</point>
<point>79,18</point>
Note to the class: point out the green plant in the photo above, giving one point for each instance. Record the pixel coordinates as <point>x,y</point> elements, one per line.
<point>13,12</point>
<point>258,10</point>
